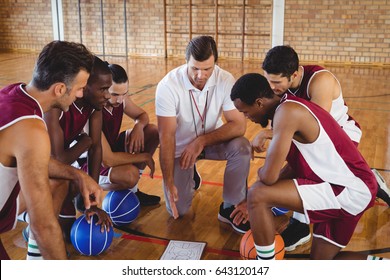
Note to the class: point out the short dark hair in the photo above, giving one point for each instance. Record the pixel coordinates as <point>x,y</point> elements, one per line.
<point>201,48</point>
<point>60,61</point>
<point>251,86</point>
<point>119,74</point>
<point>100,67</point>
<point>281,60</point>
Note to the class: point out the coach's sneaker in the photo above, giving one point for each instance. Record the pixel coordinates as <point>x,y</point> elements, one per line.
<point>197,178</point>
<point>295,234</point>
<point>224,216</point>
<point>383,190</point>
<point>147,199</point>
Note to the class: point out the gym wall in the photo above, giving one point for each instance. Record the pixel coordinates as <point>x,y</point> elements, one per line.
<point>322,31</point>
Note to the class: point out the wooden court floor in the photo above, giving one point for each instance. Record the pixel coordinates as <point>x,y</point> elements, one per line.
<point>365,91</point>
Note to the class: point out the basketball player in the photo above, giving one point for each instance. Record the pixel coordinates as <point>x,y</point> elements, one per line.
<point>190,101</point>
<point>326,178</point>
<point>66,127</point>
<point>59,76</point>
<point>285,75</point>
<point>126,154</point>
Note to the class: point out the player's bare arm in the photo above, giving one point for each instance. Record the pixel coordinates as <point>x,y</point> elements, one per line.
<point>111,159</point>
<point>56,133</point>
<point>323,89</point>
<point>284,128</point>
<point>95,151</point>
<point>291,121</point>
<point>33,157</point>
<point>136,140</point>
<point>259,141</point>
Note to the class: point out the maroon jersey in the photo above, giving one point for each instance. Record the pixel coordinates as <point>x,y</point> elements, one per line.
<point>339,109</point>
<point>308,73</point>
<point>73,121</point>
<point>333,158</point>
<point>15,105</point>
<point>112,122</point>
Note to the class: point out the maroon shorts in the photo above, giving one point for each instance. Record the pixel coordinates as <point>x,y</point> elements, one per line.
<point>330,221</point>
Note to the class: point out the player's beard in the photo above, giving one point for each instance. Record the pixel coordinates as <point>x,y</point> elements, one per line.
<point>63,103</point>
<point>264,122</point>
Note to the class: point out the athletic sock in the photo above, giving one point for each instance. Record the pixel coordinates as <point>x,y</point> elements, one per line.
<point>135,188</point>
<point>227,205</point>
<point>24,217</point>
<point>266,252</point>
<point>375,258</point>
<point>33,252</point>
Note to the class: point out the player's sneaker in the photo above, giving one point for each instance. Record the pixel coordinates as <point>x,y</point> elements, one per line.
<point>383,190</point>
<point>147,199</point>
<point>197,178</point>
<point>26,232</point>
<point>295,234</point>
<point>78,202</point>
<point>224,216</point>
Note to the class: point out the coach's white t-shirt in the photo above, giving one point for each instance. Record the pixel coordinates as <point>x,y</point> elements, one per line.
<point>174,99</point>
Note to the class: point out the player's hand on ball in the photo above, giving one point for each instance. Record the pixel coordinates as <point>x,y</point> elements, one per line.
<point>104,219</point>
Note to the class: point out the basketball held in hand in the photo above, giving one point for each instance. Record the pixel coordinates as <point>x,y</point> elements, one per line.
<point>87,238</point>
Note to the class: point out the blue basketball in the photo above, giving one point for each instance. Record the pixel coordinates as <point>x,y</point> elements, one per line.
<point>122,206</point>
<point>278,211</point>
<point>87,238</point>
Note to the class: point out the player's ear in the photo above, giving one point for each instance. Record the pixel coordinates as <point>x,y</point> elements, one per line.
<point>59,89</point>
<point>259,102</point>
<point>294,75</point>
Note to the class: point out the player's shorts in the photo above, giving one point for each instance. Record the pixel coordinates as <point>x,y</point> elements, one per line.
<point>68,210</point>
<point>3,252</point>
<point>104,177</point>
<point>9,212</point>
<point>323,210</point>
<point>120,144</point>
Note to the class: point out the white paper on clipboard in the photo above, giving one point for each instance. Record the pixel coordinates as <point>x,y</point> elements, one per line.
<point>183,250</point>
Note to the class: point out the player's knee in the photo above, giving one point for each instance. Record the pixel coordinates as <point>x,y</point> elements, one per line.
<point>132,175</point>
<point>256,194</point>
<point>151,132</point>
<point>127,175</point>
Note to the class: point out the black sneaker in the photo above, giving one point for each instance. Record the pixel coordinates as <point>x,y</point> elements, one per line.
<point>197,179</point>
<point>78,202</point>
<point>147,199</point>
<point>383,190</point>
<point>224,216</point>
<point>295,234</point>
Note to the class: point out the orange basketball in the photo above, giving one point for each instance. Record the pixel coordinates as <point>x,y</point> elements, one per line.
<point>248,251</point>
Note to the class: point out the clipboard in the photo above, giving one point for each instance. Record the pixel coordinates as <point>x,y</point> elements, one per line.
<point>183,250</point>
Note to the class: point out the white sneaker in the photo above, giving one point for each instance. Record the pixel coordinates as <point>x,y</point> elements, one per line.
<point>383,190</point>
<point>381,182</point>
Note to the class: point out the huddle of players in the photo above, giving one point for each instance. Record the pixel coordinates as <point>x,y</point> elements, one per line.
<point>83,112</point>
<point>60,113</point>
